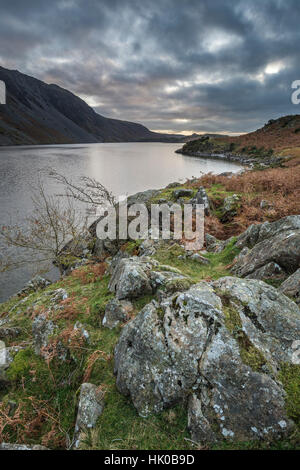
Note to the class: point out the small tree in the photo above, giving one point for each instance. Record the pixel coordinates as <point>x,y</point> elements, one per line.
<point>53,229</point>
<point>88,190</point>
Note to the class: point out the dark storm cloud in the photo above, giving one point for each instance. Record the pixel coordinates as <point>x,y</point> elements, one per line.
<point>196,65</point>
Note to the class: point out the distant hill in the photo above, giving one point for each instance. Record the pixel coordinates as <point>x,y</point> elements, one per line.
<point>280,136</point>
<point>38,113</point>
<point>277,134</point>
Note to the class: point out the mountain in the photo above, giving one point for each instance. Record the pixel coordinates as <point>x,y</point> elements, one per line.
<point>38,113</point>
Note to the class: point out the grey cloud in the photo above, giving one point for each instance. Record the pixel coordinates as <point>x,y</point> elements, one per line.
<point>170,64</point>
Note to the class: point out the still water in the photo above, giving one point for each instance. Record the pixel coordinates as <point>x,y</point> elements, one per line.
<point>123,168</point>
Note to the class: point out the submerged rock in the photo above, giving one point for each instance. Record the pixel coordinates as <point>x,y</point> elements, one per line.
<point>218,347</point>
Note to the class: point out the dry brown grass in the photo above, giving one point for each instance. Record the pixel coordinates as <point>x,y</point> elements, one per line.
<point>279,186</point>
<point>90,274</point>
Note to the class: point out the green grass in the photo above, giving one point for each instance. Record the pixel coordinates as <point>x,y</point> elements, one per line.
<point>194,270</point>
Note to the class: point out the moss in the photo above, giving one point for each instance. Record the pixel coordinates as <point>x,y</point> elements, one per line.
<point>250,355</point>
<point>290,377</point>
<point>217,268</point>
<point>168,194</point>
<point>132,247</point>
<point>175,285</point>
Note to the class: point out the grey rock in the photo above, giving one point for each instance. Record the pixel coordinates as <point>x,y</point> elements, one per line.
<point>33,285</point>
<point>291,286</point>
<point>91,405</point>
<point>173,185</point>
<point>229,209</point>
<point>200,259</point>
<point>142,197</point>
<point>182,192</point>
<point>181,349</point>
<point>272,243</point>
<point>265,204</point>
<point>267,271</point>
<point>42,329</point>
<point>211,242</point>
<point>83,331</point>
<point>260,232</point>
<point>58,295</point>
<point>130,278</point>
<point>8,446</point>
<point>202,198</point>
<point>116,311</point>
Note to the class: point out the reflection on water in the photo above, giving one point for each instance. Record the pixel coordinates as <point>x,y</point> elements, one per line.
<point>124,168</point>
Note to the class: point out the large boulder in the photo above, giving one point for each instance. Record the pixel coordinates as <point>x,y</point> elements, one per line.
<point>275,245</point>
<point>130,278</point>
<point>135,277</point>
<point>218,348</point>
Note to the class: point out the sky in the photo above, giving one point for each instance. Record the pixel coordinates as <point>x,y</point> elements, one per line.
<point>181,66</point>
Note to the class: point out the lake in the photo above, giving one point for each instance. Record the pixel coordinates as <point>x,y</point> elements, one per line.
<point>123,168</point>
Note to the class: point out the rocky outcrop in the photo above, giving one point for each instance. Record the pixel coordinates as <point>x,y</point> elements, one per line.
<point>33,285</point>
<point>273,246</point>
<point>218,348</point>
<point>135,277</point>
<point>291,286</point>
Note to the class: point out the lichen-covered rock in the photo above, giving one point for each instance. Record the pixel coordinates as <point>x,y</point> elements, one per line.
<point>219,347</point>
<point>277,243</point>
<point>211,242</point>
<point>13,447</point>
<point>135,277</point>
<point>33,285</point>
<point>199,258</point>
<point>130,278</point>
<point>116,311</point>
<point>259,232</point>
<point>42,329</point>
<point>201,197</point>
<point>91,404</point>
<point>265,272</point>
<point>291,286</point>
<point>229,209</point>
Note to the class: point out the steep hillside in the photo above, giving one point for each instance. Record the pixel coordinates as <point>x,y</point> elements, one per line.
<point>37,113</point>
